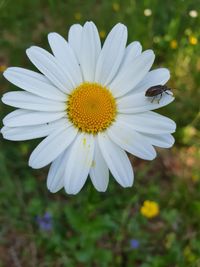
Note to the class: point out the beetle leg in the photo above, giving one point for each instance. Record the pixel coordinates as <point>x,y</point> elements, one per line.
<point>152,99</point>
<point>168,93</point>
<point>160,98</point>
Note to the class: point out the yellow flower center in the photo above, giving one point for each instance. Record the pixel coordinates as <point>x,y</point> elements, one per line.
<point>91,107</point>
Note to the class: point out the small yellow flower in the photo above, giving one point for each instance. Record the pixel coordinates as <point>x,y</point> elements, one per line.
<point>77,15</point>
<point>173,44</point>
<point>116,7</point>
<point>149,209</point>
<point>102,34</point>
<point>193,40</point>
<point>2,68</point>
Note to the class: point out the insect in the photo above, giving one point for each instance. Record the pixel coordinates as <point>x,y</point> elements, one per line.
<point>157,90</point>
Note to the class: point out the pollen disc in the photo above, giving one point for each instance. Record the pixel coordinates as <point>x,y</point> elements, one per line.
<point>91,108</point>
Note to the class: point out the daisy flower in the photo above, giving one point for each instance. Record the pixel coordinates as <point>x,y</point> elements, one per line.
<point>89,102</point>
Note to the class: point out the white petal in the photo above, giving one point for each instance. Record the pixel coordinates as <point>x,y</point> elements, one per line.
<point>32,132</point>
<point>90,49</point>
<point>79,163</point>
<point>23,117</point>
<point>154,77</point>
<point>24,79</point>
<point>131,74</point>
<point>164,140</point>
<point>26,100</point>
<point>33,74</point>
<point>51,68</point>
<point>111,54</point>
<point>99,172</point>
<point>133,50</point>
<point>51,147</point>
<point>117,161</point>
<point>55,179</point>
<point>74,39</point>
<point>65,55</point>
<point>136,103</point>
<point>148,122</point>
<point>128,139</point>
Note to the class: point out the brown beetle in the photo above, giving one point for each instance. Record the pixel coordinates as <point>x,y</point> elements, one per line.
<point>156,90</point>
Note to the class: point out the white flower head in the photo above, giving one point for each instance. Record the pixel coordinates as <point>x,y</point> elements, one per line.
<point>193,13</point>
<point>147,12</point>
<point>89,102</point>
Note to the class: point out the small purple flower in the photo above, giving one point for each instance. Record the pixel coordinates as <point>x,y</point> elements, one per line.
<point>45,222</point>
<point>134,243</point>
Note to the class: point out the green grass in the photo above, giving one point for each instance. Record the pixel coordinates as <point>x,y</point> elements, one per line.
<point>95,229</point>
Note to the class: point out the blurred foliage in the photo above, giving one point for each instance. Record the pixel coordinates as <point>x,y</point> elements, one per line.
<point>95,229</point>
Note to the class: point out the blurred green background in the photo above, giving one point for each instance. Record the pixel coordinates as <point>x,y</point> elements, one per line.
<point>41,229</point>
